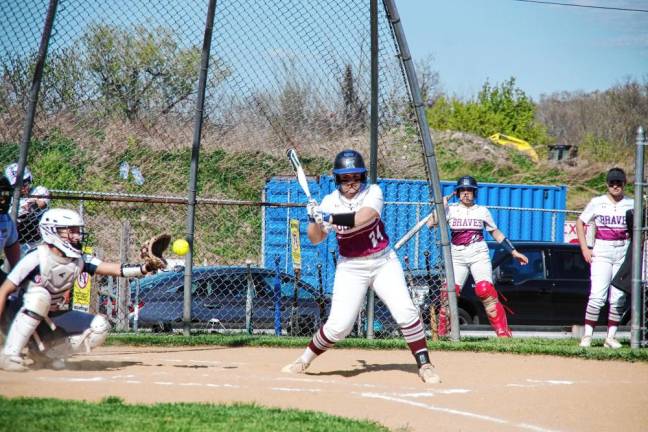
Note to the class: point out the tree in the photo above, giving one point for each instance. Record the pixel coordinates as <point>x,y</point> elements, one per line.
<point>143,70</point>
<point>355,113</point>
<point>503,108</point>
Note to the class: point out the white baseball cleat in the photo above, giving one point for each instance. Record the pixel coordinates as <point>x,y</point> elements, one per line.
<point>586,341</point>
<point>296,367</point>
<point>610,342</point>
<point>428,374</point>
<point>12,363</point>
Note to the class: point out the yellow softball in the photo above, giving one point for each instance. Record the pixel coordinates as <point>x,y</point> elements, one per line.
<point>180,247</point>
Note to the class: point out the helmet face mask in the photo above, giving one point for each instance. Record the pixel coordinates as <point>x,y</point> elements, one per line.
<point>349,162</point>
<point>63,229</point>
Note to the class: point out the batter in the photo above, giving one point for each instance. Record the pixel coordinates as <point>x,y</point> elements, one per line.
<point>353,212</point>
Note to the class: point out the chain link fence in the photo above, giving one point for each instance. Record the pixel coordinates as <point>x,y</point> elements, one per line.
<point>114,127</point>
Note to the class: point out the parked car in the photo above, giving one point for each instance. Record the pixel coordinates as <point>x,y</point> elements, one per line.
<point>551,290</point>
<point>219,300</point>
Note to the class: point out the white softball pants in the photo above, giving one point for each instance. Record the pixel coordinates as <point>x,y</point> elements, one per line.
<point>607,257</point>
<point>353,277</point>
<point>472,259</point>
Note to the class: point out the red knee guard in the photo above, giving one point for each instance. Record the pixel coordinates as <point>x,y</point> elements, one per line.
<point>444,310</point>
<point>494,309</point>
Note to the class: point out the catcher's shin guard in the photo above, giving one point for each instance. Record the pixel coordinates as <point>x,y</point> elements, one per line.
<point>22,328</point>
<point>494,309</point>
<point>444,310</point>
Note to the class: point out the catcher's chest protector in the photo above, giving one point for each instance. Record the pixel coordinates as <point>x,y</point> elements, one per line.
<point>57,274</point>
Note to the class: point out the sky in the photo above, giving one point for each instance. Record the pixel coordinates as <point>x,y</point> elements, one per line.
<point>547,48</point>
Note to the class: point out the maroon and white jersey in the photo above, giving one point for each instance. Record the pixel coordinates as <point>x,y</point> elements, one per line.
<point>609,217</point>
<point>364,240</point>
<point>467,224</point>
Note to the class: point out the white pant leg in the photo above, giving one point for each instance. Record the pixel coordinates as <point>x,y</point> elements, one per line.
<point>601,275</point>
<point>460,266</point>
<point>480,263</point>
<point>389,284</point>
<point>352,278</point>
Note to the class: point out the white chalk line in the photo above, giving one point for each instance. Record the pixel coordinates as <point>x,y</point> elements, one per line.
<point>453,411</point>
<point>295,390</point>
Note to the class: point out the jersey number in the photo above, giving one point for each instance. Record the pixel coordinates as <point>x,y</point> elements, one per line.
<point>375,236</point>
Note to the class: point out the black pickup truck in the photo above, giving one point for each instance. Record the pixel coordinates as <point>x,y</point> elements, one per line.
<point>551,290</point>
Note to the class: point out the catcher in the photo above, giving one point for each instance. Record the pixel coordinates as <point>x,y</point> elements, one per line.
<point>37,314</point>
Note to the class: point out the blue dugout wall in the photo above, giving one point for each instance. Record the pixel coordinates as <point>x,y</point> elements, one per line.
<point>522,212</point>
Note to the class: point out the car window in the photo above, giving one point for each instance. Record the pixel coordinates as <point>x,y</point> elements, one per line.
<point>534,270</point>
<point>569,264</point>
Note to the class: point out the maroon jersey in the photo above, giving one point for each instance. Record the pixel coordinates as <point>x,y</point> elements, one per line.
<point>364,241</point>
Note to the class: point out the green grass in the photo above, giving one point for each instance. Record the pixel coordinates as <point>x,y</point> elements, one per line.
<point>111,414</point>
<point>521,346</point>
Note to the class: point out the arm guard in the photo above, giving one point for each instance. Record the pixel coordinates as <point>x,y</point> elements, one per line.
<point>132,270</point>
<point>343,219</point>
<point>507,245</point>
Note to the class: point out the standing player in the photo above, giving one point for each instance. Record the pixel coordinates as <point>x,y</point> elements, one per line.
<point>30,209</point>
<point>45,277</point>
<point>611,243</point>
<point>467,222</point>
<point>9,247</point>
<point>353,212</point>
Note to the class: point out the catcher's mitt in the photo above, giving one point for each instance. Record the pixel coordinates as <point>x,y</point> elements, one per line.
<point>152,251</point>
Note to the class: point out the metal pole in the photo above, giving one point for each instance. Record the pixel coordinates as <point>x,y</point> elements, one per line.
<point>195,152</point>
<point>430,160</point>
<point>373,138</point>
<point>637,242</point>
<point>33,101</point>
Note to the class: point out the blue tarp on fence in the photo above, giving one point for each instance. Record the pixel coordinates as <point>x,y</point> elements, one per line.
<point>406,202</point>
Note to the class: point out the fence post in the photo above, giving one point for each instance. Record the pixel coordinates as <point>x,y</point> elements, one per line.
<point>123,295</point>
<point>637,243</point>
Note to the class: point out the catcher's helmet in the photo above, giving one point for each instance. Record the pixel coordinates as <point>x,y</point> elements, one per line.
<point>54,219</point>
<point>12,173</point>
<point>6,192</point>
<point>467,182</point>
<point>349,162</point>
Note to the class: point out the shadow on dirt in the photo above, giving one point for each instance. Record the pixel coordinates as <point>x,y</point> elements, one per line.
<point>363,367</point>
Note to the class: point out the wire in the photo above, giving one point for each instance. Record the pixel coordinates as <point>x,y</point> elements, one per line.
<point>583,6</point>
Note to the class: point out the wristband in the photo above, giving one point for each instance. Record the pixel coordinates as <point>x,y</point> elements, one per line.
<point>507,245</point>
<point>131,270</point>
<point>343,219</point>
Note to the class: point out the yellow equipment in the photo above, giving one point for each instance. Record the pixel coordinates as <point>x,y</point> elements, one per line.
<point>516,143</point>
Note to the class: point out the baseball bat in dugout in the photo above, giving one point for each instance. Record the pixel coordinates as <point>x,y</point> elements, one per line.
<point>277,297</point>
<point>294,322</point>
<point>434,330</point>
<point>320,298</point>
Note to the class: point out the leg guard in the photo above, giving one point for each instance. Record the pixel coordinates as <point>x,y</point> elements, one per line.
<point>444,310</point>
<point>92,337</point>
<point>494,309</point>
<point>22,328</point>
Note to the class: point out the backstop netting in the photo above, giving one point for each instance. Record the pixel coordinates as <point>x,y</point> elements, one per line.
<point>115,124</point>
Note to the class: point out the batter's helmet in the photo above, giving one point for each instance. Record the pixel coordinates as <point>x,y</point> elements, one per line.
<point>349,162</point>
<point>467,182</point>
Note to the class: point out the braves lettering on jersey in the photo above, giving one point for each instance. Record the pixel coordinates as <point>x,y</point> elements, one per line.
<point>467,224</point>
<point>363,240</point>
<point>8,232</point>
<point>609,217</point>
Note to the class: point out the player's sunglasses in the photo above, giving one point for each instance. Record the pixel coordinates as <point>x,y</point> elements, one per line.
<point>614,183</point>
<point>464,190</point>
<point>350,179</point>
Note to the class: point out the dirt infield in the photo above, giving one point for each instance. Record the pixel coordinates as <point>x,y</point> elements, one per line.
<point>480,391</point>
